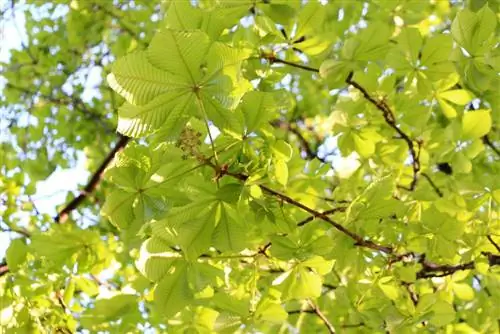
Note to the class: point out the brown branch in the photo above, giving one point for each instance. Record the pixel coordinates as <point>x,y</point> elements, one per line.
<point>391,121</point>
<point>361,324</point>
<point>273,60</point>
<point>379,104</point>
<point>4,269</point>
<point>310,153</point>
<point>320,315</point>
<point>360,241</point>
<point>94,181</point>
<point>490,239</point>
<point>326,212</point>
<point>433,185</point>
<point>435,270</point>
<point>487,141</point>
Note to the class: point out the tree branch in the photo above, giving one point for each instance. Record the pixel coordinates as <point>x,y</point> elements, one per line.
<point>320,315</point>
<point>488,142</point>
<point>490,239</point>
<point>94,181</point>
<point>379,104</point>
<point>391,121</point>
<point>4,269</point>
<point>360,241</point>
<point>435,270</point>
<point>273,60</point>
<point>433,185</point>
<point>310,153</point>
<point>326,212</point>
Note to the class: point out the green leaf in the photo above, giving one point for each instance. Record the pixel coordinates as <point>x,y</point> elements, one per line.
<point>172,293</point>
<point>461,164</point>
<point>155,259</point>
<point>436,50</point>
<point>86,285</point>
<point>300,283</point>
<point>234,304</point>
<point>458,96</point>
<point>407,273</point>
<point>371,43</point>
<point>319,264</point>
<point>476,124</point>
<point>118,208</point>
<point>281,172</point>
<point>230,233</point>
<point>365,147</point>
<point>258,109</point>
<point>448,110</point>
<point>111,309</point>
<point>136,121</point>
<point>268,310</point>
<point>134,78</point>
<point>443,313</point>
<point>195,236</point>
<point>335,71</point>
<point>282,150</point>
<point>310,18</point>
<point>16,254</point>
<point>186,50</point>
<point>69,291</point>
<point>471,30</point>
<point>410,41</point>
<point>463,291</point>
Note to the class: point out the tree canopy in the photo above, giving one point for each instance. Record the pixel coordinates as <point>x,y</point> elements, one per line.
<point>256,166</point>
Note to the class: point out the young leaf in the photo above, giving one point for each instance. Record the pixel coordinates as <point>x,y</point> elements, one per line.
<point>476,124</point>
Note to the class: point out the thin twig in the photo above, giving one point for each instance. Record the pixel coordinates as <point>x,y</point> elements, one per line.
<point>488,142</point>
<point>493,243</point>
<point>433,185</point>
<point>273,60</point>
<point>326,212</point>
<point>360,241</point>
<point>94,181</point>
<point>320,315</point>
<point>391,121</point>
<point>310,153</point>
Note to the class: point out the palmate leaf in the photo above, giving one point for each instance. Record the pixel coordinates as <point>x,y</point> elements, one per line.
<point>172,293</point>
<point>142,175</point>
<point>155,259</point>
<point>179,52</point>
<point>182,73</point>
<point>123,307</point>
<point>230,233</point>
<point>136,121</point>
<point>181,15</point>
<point>134,78</point>
<point>259,108</point>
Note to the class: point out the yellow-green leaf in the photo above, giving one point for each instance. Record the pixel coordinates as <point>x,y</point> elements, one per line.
<point>476,124</point>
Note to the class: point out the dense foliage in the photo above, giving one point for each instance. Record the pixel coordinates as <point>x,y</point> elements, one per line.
<point>256,166</point>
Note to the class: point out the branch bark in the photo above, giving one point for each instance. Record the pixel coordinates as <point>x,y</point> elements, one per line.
<point>94,181</point>
<point>391,121</point>
<point>487,141</point>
